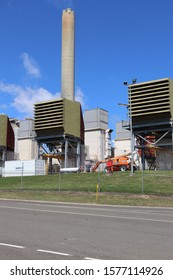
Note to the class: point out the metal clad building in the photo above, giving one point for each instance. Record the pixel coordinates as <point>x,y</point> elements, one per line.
<point>96,119</point>
<point>122,140</point>
<point>121,132</point>
<point>97,135</point>
<point>26,128</point>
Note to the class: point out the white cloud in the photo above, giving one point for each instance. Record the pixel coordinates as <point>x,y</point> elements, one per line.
<point>30,65</point>
<point>25,98</point>
<point>79,96</point>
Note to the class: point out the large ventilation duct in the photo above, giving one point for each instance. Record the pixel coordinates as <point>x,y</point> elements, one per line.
<point>151,102</point>
<point>6,133</point>
<point>58,117</point>
<point>67,67</point>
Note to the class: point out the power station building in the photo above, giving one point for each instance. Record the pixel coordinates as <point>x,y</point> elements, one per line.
<point>122,141</point>
<point>151,122</point>
<point>59,123</point>
<point>58,127</point>
<point>97,136</point>
<point>25,145</point>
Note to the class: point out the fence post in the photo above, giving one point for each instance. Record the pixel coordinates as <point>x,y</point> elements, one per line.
<point>59,181</point>
<point>142,180</point>
<point>21,181</point>
<point>97,191</point>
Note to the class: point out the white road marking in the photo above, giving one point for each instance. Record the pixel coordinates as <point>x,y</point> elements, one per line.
<point>11,245</point>
<point>87,214</point>
<point>92,259</point>
<point>52,252</point>
<point>102,208</point>
<point>43,251</point>
<point>41,202</point>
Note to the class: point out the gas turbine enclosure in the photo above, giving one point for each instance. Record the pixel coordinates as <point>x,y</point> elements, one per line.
<point>6,133</point>
<point>58,117</point>
<point>151,101</point>
<point>67,60</point>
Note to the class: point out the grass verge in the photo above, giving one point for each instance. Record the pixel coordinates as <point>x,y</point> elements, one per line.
<point>102,198</point>
<point>143,189</point>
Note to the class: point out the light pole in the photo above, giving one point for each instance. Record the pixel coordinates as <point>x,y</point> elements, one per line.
<point>131,123</point>
<point>131,137</point>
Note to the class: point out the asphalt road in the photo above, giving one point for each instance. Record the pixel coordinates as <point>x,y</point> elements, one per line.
<point>38,230</point>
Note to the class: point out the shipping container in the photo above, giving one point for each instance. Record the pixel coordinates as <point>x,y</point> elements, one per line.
<point>23,168</point>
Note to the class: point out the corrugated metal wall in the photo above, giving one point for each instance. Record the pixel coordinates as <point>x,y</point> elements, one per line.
<point>3,130</point>
<point>6,133</point>
<point>26,128</point>
<point>121,132</point>
<point>96,119</point>
<point>151,101</point>
<point>60,116</point>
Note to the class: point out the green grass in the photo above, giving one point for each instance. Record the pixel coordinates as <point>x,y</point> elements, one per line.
<point>151,188</point>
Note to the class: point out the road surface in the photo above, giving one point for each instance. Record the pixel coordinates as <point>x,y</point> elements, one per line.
<point>43,230</point>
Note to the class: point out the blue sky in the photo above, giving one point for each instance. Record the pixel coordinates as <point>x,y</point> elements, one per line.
<point>114,41</point>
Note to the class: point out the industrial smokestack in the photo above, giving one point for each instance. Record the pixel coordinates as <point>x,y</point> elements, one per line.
<point>67,63</point>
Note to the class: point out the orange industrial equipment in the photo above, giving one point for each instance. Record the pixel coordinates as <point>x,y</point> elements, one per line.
<point>121,162</point>
<point>97,165</point>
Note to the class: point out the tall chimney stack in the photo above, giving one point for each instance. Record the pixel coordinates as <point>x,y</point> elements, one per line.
<point>67,63</point>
